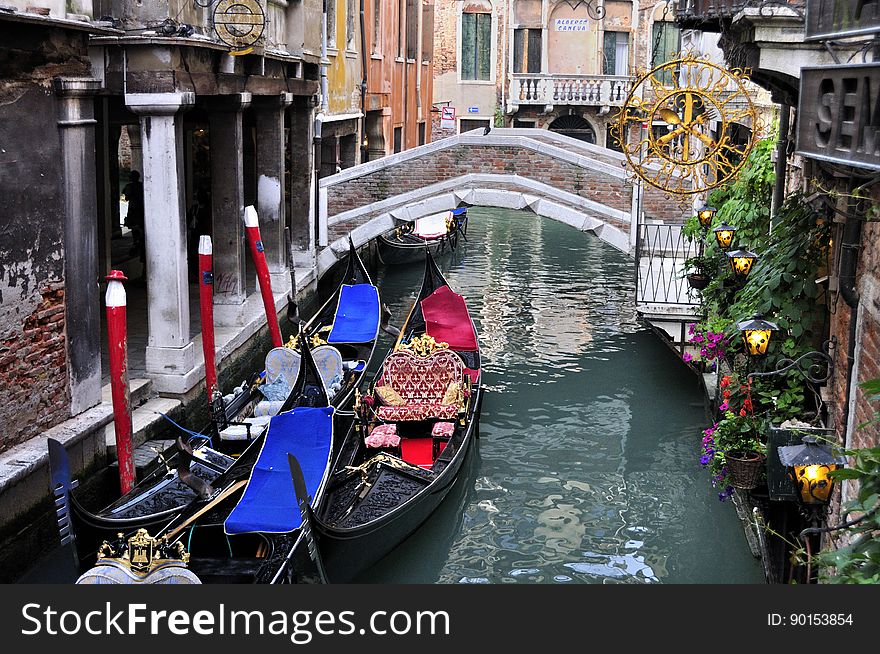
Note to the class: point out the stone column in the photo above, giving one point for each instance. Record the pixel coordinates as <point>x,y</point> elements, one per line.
<point>76,125</point>
<point>169,350</point>
<point>269,113</point>
<point>302,182</point>
<point>227,206</point>
<point>134,140</point>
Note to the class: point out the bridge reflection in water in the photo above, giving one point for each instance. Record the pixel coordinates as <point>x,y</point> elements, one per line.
<point>587,467</point>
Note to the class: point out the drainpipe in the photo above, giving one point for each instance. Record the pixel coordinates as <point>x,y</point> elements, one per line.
<point>849,260</point>
<point>781,159</point>
<point>325,62</point>
<point>364,155</point>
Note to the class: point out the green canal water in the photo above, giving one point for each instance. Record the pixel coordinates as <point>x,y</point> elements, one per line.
<point>587,467</point>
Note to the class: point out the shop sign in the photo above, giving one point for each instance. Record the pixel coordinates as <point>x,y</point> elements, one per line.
<point>839,114</point>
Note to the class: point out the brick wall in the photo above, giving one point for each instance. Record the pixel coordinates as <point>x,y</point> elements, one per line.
<point>33,371</point>
<point>461,160</point>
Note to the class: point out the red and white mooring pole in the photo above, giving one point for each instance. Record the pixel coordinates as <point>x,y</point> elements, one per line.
<point>252,227</point>
<point>206,304</point>
<point>118,347</point>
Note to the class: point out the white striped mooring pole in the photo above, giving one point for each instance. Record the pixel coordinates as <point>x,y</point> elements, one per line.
<point>252,227</point>
<point>117,341</point>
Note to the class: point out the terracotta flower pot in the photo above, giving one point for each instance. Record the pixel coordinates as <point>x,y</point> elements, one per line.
<point>744,468</point>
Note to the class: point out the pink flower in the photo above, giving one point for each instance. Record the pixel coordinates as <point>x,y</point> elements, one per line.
<point>724,406</point>
<point>687,357</point>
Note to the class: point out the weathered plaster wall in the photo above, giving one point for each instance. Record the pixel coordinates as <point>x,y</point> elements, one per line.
<point>33,373</point>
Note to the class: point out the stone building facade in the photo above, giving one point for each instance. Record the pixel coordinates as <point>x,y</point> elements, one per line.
<point>547,64</point>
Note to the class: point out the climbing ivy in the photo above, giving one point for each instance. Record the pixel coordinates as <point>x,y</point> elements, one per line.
<point>782,286</point>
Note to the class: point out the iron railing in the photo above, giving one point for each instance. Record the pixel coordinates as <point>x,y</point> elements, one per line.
<point>660,255</point>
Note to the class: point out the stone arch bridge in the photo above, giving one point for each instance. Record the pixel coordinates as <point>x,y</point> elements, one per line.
<point>555,176</point>
<point>552,175</point>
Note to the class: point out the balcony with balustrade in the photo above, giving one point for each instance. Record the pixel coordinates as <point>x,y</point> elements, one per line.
<point>581,90</point>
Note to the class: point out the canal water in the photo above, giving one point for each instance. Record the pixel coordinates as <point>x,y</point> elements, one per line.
<point>587,467</point>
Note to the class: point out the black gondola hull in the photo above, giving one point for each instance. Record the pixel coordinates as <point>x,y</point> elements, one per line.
<point>393,252</point>
<point>349,552</point>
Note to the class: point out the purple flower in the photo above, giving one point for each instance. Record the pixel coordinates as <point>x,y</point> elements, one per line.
<point>724,406</point>
<point>687,357</point>
<point>727,492</point>
<point>704,460</point>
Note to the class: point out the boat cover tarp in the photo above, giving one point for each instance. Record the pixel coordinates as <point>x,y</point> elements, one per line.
<point>433,226</point>
<point>447,319</point>
<point>269,502</point>
<point>357,315</point>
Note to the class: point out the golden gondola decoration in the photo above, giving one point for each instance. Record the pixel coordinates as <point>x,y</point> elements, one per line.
<point>140,559</point>
<point>685,111</point>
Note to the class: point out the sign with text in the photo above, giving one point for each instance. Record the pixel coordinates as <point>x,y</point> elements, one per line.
<point>828,19</point>
<point>839,114</point>
<point>572,24</point>
<point>447,118</point>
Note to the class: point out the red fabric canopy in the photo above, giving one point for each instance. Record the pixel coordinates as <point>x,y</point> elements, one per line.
<point>447,319</point>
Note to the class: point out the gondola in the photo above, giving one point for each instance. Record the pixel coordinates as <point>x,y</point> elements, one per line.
<point>437,234</point>
<point>344,332</point>
<point>400,459</point>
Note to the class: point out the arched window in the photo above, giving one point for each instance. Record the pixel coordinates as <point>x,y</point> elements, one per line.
<point>476,40</point>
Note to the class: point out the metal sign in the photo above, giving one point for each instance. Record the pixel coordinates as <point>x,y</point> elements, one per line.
<point>839,114</point>
<point>473,110</point>
<point>447,117</point>
<point>691,107</point>
<point>239,24</point>
<point>831,19</point>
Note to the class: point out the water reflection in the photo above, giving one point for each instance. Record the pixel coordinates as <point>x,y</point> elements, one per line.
<point>586,470</point>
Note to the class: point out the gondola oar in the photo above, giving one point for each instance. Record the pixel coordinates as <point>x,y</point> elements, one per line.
<point>292,307</point>
<point>305,507</point>
<point>384,323</point>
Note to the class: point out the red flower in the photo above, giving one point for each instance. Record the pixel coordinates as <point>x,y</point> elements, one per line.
<point>726,395</point>
<point>725,381</point>
<point>747,405</point>
<point>742,412</point>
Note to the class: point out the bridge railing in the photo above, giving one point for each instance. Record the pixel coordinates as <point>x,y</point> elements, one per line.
<point>661,251</point>
<point>547,89</point>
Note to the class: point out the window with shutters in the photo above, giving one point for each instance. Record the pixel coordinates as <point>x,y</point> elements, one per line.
<point>666,44</point>
<point>615,60</point>
<point>476,41</point>
<point>527,50</point>
<point>412,29</point>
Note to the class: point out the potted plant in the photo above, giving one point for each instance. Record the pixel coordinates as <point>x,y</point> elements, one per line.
<point>734,451</point>
<point>699,270</point>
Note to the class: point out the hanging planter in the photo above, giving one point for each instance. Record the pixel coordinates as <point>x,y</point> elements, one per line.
<point>698,281</point>
<point>744,468</point>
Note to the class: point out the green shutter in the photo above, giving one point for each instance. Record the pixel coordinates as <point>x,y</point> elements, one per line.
<point>609,50</point>
<point>468,46</point>
<point>484,46</point>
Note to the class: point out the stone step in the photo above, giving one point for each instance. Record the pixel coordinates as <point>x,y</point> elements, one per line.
<point>139,391</point>
<point>147,424</point>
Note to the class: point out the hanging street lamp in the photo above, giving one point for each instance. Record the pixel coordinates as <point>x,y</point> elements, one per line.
<point>757,334</point>
<point>741,262</point>
<point>705,215</point>
<point>724,236</point>
<point>809,467</point>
